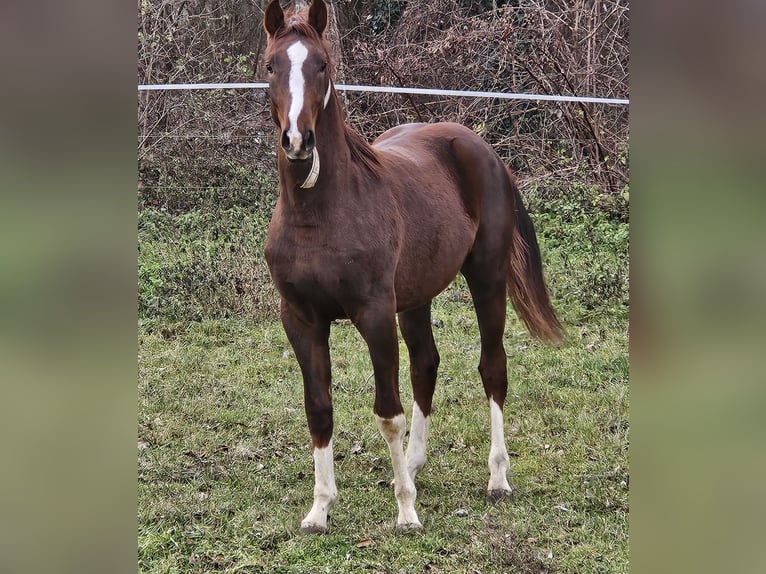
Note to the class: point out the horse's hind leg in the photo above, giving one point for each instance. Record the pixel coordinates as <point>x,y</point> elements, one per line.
<point>415,326</point>
<point>488,289</point>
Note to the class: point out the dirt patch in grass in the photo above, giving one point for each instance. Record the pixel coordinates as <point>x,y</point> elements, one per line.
<point>518,554</point>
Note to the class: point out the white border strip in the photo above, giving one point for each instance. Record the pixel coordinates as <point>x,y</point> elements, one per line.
<point>396,90</point>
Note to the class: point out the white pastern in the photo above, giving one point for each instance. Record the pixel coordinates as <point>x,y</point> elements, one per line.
<point>498,455</point>
<point>416,448</point>
<point>404,488</point>
<point>325,491</point>
<point>297,53</point>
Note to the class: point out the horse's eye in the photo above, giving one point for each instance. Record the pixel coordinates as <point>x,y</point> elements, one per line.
<point>269,69</point>
<point>323,67</point>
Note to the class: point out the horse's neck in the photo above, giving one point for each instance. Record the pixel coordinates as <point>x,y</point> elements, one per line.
<point>334,165</point>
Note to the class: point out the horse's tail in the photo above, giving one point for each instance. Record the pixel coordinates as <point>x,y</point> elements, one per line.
<point>526,284</point>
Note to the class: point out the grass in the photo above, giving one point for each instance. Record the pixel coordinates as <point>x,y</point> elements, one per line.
<point>225,469</point>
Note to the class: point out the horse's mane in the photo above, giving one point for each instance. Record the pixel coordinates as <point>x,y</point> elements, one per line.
<point>361,151</point>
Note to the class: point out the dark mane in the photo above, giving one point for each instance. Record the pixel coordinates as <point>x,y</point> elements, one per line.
<point>361,151</point>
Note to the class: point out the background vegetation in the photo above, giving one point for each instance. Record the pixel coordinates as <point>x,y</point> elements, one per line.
<point>206,160</point>
<point>224,464</point>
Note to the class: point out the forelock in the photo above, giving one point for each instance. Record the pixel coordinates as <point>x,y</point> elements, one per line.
<point>295,23</point>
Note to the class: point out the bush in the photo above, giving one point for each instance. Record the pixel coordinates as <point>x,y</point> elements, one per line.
<point>584,239</point>
<point>203,264</point>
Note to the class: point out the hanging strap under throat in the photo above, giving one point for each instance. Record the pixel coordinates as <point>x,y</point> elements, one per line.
<point>314,173</point>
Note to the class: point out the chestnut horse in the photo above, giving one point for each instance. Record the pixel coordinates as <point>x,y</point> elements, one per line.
<point>373,232</point>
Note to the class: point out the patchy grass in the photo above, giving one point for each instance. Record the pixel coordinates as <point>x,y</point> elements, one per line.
<point>225,469</point>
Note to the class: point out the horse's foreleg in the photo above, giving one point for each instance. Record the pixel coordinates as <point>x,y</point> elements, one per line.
<point>325,491</point>
<point>415,326</point>
<point>378,327</point>
<point>310,343</point>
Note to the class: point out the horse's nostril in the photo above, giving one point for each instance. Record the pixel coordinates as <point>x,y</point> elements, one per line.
<point>285,141</point>
<point>309,141</point>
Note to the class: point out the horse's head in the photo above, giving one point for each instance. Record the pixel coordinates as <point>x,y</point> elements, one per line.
<point>299,72</point>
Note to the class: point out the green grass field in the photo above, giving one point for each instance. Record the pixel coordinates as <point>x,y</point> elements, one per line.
<point>225,468</point>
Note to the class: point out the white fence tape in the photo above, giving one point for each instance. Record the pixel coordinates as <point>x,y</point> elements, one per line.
<point>396,90</point>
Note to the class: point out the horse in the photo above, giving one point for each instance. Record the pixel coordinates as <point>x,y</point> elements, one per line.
<point>372,233</point>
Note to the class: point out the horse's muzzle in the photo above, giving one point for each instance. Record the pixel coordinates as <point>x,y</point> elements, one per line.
<point>298,146</point>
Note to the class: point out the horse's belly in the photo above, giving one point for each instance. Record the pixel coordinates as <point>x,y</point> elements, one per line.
<point>430,261</point>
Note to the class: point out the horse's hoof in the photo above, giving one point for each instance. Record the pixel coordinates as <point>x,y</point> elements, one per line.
<point>498,495</point>
<point>409,527</point>
<point>311,528</point>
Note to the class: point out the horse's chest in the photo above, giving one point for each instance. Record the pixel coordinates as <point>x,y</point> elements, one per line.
<point>306,271</point>
<point>310,270</point>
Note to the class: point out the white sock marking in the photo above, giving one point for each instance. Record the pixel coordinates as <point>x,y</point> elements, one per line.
<point>404,488</point>
<point>498,455</point>
<point>416,448</point>
<point>325,491</point>
<point>297,53</point>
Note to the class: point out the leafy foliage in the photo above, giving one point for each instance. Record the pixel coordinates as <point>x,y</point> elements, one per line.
<point>202,264</point>
<point>584,239</point>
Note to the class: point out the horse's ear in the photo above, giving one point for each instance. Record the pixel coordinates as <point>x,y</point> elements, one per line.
<point>318,16</point>
<point>273,18</point>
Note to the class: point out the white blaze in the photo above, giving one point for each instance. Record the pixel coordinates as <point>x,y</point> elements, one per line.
<point>297,54</point>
